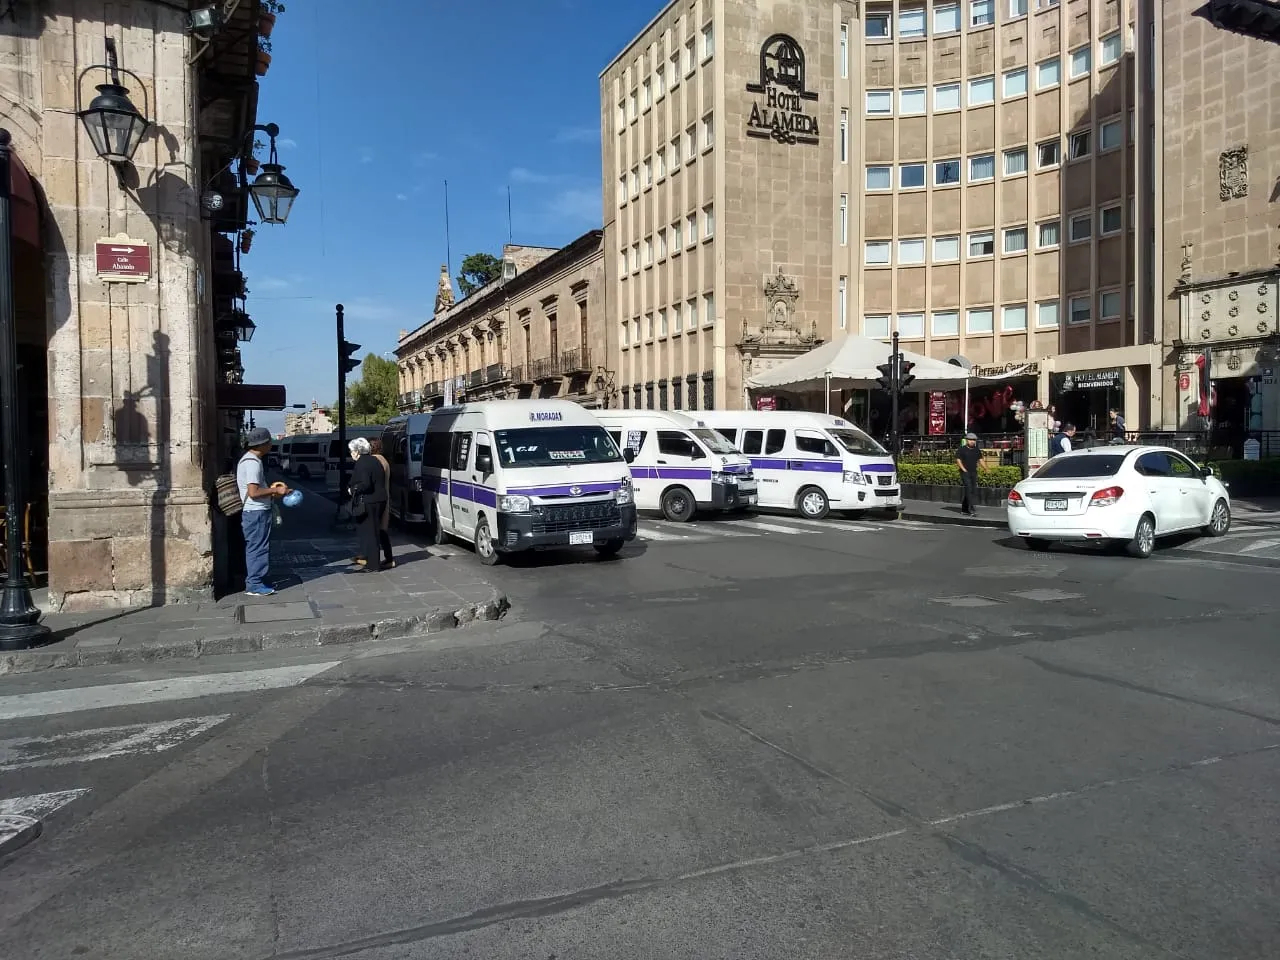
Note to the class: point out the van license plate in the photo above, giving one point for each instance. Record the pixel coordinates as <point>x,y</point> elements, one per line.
<point>1055,504</point>
<point>585,536</point>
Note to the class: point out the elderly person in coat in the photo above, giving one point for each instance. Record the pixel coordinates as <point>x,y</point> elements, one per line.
<point>368,503</point>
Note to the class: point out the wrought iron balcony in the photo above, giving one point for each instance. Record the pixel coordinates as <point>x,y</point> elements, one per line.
<point>495,373</point>
<point>565,364</point>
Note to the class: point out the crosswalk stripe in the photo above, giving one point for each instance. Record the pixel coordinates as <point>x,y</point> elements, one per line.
<point>39,804</point>
<point>649,533</point>
<point>835,523</point>
<point>761,525</point>
<point>105,743</point>
<point>52,702</point>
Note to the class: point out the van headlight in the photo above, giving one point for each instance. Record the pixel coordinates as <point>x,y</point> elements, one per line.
<point>513,504</point>
<point>718,476</point>
<point>852,476</point>
<point>624,493</point>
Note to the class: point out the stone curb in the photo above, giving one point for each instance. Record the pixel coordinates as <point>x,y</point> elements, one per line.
<point>957,520</point>
<point>185,644</point>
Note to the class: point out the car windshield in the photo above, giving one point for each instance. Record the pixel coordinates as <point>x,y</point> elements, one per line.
<point>555,446</point>
<point>714,441</point>
<point>855,441</point>
<point>1081,468</point>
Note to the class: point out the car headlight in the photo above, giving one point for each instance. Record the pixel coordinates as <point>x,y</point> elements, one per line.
<point>852,476</point>
<point>624,493</point>
<point>513,504</point>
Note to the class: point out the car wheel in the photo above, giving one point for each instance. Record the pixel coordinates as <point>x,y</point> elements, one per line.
<point>813,504</point>
<point>610,547</point>
<point>1144,538</point>
<point>678,505</point>
<point>1219,520</point>
<point>486,549</point>
<point>1035,543</point>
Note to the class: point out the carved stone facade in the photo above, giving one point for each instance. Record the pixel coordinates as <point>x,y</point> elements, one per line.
<point>777,336</point>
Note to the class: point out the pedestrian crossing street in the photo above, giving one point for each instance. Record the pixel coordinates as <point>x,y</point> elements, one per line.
<point>656,531</point>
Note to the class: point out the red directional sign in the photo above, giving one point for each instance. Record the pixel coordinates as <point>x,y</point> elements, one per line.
<point>123,260</point>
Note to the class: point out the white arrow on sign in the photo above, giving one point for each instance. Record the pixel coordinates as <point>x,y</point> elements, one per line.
<point>122,249</point>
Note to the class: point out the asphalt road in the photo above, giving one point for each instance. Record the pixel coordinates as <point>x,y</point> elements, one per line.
<point>863,740</point>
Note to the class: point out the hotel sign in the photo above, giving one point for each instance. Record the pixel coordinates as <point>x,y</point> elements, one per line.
<point>779,112</point>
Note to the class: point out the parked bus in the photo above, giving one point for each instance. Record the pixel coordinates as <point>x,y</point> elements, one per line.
<point>402,441</point>
<point>303,455</point>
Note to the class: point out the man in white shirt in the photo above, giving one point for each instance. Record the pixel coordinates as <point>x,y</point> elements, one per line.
<point>255,518</point>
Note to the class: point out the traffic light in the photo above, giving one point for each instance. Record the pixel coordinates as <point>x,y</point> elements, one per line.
<point>885,380</point>
<point>346,361</point>
<point>905,376</point>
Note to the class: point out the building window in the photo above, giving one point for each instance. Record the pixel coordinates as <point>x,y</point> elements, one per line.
<point>876,325</point>
<point>912,101</point>
<point>662,244</point>
<point>708,132</point>
<point>877,252</point>
<point>626,398</point>
<point>622,189</point>
<point>844,135</point>
<point>1111,49</point>
<point>647,167</point>
<point>648,326</point>
<point>690,146</point>
<point>844,51</point>
<point>982,13</point>
<point>1081,227</point>
<point>660,80</point>
<point>691,229</point>
<point>982,243</point>
<point>911,23</point>
<point>626,333</point>
<point>709,311</point>
<point>982,168</point>
<point>708,222</point>
<point>1015,240</point>
<point>1109,135</point>
<point>620,118</point>
<point>622,263</point>
<point>673,153</point>
<point>979,320</point>
<point>982,90</point>
<point>1048,234</point>
<point>945,323</point>
<point>1080,311</point>
<point>946,18</point>
<point>1015,82</point>
<point>1078,144</point>
<point>1110,306</point>
<point>946,96</point>
<point>635,258</point>
<point>1049,153</point>
<point>1015,161</point>
<point>879,178</point>
<point>691,315</point>
<point>946,248</point>
<point>631,105</point>
<point>1111,220</point>
<point>689,61</point>
<point>1014,318</point>
<point>676,243</point>
<point>844,219</point>
<point>876,25</point>
<point>660,159</point>
<point>911,326</point>
<point>880,102</point>
<point>675,69</point>
<point>648,396</point>
<point>648,251</point>
<point>677,321</point>
<point>946,172</point>
<point>911,250</point>
<point>708,41</point>
<point>844,302</point>
<point>662,322</point>
<point>708,391</point>
<point>646,94</point>
<point>1048,73</point>
<point>1017,8</point>
<point>635,182</point>
<point>1047,315</point>
<point>911,176</point>
<point>1081,62</point>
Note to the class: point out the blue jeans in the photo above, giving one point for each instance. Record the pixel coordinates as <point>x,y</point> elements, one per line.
<point>257,547</point>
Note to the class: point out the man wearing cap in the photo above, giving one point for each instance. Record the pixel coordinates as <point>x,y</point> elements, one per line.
<point>255,518</point>
<point>967,459</point>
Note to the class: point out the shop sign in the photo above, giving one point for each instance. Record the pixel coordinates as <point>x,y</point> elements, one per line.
<point>1091,380</point>
<point>1029,368</point>
<point>766,403</point>
<point>122,260</point>
<point>937,413</point>
<point>780,113</point>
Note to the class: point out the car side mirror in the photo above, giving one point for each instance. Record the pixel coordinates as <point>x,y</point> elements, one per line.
<point>629,455</point>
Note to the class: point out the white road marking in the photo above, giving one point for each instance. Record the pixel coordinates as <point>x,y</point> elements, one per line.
<point>761,525</point>
<point>53,702</point>
<point>649,533</point>
<point>40,804</point>
<point>1260,545</point>
<point>104,743</point>
<point>834,524</point>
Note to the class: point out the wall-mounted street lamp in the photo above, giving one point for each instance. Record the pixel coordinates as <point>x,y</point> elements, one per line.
<point>114,125</point>
<point>273,194</point>
<point>244,327</point>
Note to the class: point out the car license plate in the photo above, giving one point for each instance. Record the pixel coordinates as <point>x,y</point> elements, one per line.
<point>585,536</point>
<point>1055,504</point>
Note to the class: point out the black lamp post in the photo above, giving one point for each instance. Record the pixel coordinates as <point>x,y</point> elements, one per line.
<point>273,193</point>
<point>114,125</point>
<point>20,626</point>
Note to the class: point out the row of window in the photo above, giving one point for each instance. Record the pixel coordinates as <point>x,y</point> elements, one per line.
<point>654,249</point>
<point>913,21</point>
<point>980,91</point>
<point>670,321</point>
<point>981,320</point>
<point>666,160</point>
<point>632,396</point>
<point>666,76</point>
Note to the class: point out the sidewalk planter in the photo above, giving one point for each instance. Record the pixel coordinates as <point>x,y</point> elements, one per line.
<point>940,483</point>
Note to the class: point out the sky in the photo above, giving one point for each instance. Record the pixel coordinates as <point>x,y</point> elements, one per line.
<point>376,112</point>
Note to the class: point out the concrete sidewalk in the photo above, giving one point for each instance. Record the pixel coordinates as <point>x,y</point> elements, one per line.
<point>318,602</point>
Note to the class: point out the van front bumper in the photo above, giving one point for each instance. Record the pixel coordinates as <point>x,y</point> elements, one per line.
<point>733,496</point>
<point>527,531</point>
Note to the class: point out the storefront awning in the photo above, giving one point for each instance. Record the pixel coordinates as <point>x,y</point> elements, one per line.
<point>250,396</point>
<point>850,362</point>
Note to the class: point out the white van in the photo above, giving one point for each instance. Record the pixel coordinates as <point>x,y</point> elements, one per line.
<point>402,442</point>
<point>680,464</point>
<point>511,475</point>
<point>303,455</point>
<point>811,462</point>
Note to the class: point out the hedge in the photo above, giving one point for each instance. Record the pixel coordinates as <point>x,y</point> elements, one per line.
<point>948,474</point>
<point>1248,470</point>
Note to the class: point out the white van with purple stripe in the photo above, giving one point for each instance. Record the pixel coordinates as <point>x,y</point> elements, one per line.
<point>810,462</point>
<point>679,464</point>
<point>513,475</point>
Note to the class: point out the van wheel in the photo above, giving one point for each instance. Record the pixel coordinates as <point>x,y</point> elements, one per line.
<point>610,547</point>
<point>438,535</point>
<point>813,503</point>
<point>1144,538</point>
<point>486,549</point>
<point>678,505</point>
<point>303,472</point>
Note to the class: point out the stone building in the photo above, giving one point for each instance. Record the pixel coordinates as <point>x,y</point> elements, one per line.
<point>540,333</point>
<point>315,420</point>
<point>131,382</point>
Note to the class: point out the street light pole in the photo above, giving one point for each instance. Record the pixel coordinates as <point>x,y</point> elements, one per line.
<point>20,626</point>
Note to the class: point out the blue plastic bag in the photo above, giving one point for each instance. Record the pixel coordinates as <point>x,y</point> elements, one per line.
<point>292,498</point>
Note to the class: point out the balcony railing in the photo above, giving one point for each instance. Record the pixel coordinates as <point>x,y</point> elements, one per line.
<point>564,364</point>
<point>475,379</point>
<point>520,374</point>
<point>495,373</point>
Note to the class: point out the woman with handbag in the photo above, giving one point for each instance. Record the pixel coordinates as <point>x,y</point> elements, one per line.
<point>384,528</point>
<point>368,500</point>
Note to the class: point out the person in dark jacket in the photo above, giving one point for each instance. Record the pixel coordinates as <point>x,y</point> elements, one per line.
<point>369,486</point>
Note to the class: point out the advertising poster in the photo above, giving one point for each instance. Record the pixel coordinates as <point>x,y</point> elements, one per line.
<point>937,413</point>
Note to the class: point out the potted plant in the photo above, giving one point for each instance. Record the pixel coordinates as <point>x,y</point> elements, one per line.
<point>267,12</point>
<point>264,58</point>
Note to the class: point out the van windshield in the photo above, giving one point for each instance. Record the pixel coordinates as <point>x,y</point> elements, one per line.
<point>855,441</point>
<point>555,446</point>
<point>713,441</point>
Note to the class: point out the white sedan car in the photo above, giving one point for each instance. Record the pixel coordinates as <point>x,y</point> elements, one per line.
<point>1118,495</point>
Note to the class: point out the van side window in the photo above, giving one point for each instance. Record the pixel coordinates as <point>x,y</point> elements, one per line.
<point>751,440</point>
<point>673,443</point>
<point>817,445</point>
<point>484,453</point>
<point>775,441</point>
<point>616,437</point>
<point>435,451</point>
<point>461,448</point>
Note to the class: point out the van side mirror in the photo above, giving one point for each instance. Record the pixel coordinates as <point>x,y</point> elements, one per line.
<point>696,452</point>
<point>484,463</point>
<point>629,455</point>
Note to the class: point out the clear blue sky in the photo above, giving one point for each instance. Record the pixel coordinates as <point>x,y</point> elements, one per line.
<point>376,111</point>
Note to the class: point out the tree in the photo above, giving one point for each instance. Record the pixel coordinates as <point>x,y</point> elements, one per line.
<point>372,398</point>
<point>478,269</point>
